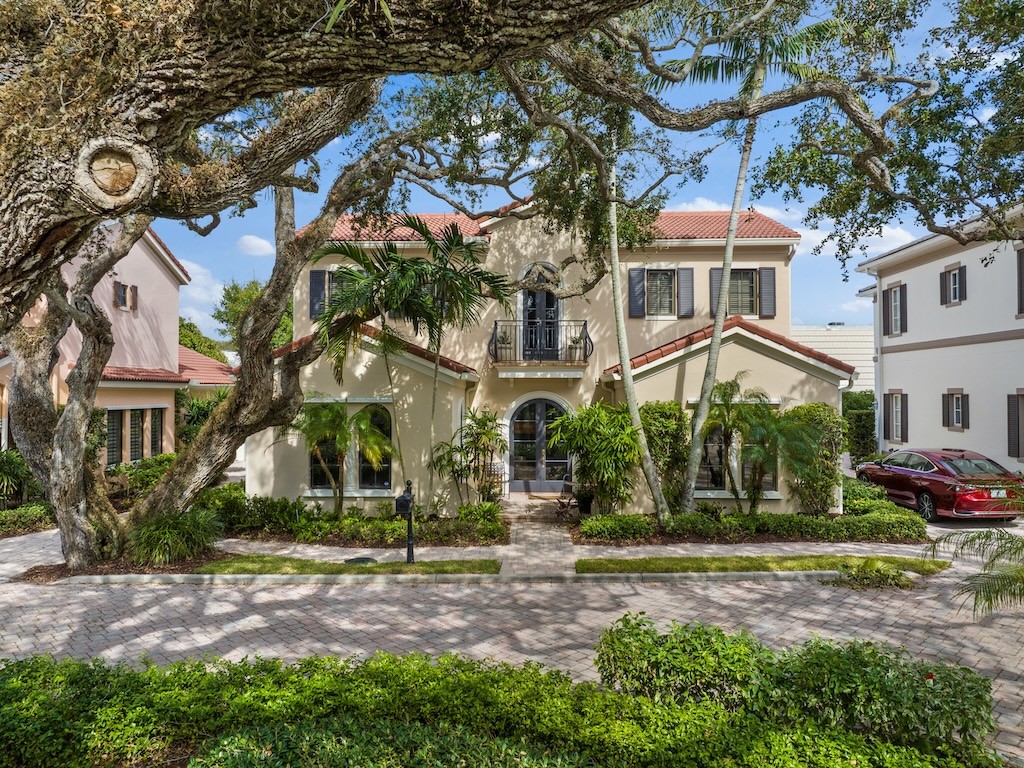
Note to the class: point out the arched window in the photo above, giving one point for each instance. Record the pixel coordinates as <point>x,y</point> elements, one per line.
<point>380,477</point>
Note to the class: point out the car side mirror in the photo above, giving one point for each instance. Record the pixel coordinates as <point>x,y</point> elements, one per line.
<point>878,462</point>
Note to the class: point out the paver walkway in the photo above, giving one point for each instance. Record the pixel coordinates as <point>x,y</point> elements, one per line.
<point>557,624</point>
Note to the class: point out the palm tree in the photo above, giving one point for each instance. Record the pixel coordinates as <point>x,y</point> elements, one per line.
<point>772,437</point>
<point>329,429</point>
<point>1000,583</point>
<point>628,388</point>
<point>727,413</point>
<point>748,56</point>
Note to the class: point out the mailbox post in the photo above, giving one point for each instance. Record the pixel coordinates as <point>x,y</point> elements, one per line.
<point>403,506</point>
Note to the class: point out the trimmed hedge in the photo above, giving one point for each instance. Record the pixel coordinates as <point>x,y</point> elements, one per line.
<point>860,435</point>
<point>618,527</point>
<point>28,518</point>
<point>84,715</point>
<point>889,524</point>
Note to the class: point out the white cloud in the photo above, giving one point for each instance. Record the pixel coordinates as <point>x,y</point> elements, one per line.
<point>987,114</point>
<point>251,245</point>
<point>706,204</point>
<point>200,297</point>
<point>699,204</point>
<point>891,237</point>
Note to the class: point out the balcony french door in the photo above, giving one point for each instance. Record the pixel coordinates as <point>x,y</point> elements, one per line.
<point>540,325</point>
<point>535,466</point>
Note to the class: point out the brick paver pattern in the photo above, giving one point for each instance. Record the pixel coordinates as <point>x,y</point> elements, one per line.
<point>556,624</point>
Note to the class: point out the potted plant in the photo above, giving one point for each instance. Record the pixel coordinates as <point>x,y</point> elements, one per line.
<point>575,349</point>
<point>504,345</point>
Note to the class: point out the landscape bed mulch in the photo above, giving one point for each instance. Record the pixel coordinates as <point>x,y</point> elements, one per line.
<point>759,538</point>
<point>46,574</point>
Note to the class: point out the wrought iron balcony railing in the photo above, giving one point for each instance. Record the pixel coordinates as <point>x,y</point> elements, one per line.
<point>540,341</point>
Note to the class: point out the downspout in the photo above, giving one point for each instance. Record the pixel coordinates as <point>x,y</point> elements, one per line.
<point>877,299</point>
<point>849,385</point>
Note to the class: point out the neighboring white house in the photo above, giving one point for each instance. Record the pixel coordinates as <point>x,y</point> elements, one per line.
<point>853,344</point>
<point>949,338</point>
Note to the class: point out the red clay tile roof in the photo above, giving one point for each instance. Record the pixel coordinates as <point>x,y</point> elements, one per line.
<point>673,225</point>
<point>198,367</point>
<point>369,330</point>
<point>736,321</point>
<point>347,228</point>
<point>118,373</point>
<point>713,225</point>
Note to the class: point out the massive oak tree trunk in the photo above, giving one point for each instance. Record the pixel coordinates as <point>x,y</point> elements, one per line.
<point>98,108</point>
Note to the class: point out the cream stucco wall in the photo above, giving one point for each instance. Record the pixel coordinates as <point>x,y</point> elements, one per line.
<point>144,398</point>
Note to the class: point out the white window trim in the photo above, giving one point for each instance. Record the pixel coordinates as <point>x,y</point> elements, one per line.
<point>957,415</point>
<point>895,312</point>
<point>897,418</point>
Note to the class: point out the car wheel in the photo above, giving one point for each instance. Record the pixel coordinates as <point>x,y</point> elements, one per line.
<point>926,507</point>
<point>863,477</point>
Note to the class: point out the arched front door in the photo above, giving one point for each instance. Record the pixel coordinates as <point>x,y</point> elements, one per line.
<point>535,465</point>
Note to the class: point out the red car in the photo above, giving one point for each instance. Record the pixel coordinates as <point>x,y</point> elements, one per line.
<point>947,483</point>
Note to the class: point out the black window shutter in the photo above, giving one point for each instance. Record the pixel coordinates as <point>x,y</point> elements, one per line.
<point>887,417</point>
<point>946,401</point>
<point>317,292</point>
<point>965,412</point>
<point>1020,282</point>
<point>1013,425</point>
<point>963,283</point>
<point>684,292</point>
<point>766,288</point>
<point>906,419</point>
<point>637,292</point>
<point>943,288</point>
<point>716,286</point>
<point>117,294</point>
<point>887,312</point>
<point>903,309</point>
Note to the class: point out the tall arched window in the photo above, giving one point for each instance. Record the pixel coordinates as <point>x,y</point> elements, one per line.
<point>369,477</point>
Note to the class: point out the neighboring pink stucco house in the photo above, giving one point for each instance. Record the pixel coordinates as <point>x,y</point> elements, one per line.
<point>147,364</point>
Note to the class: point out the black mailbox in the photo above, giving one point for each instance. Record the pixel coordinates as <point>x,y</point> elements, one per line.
<point>403,506</point>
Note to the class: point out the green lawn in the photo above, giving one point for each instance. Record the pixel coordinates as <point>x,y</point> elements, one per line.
<point>271,564</point>
<point>747,563</point>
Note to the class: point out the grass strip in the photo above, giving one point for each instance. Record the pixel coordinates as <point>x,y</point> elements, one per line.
<point>273,564</point>
<point>750,563</point>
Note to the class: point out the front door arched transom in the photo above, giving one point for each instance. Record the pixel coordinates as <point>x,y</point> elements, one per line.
<point>535,466</point>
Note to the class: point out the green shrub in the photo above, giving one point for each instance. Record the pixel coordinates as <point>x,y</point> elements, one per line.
<point>171,537</point>
<point>796,527</point>
<point>815,482</point>
<point>617,527</point>
<point>28,518</point>
<point>877,690</point>
<point>872,573</point>
<point>80,715</point>
<point>899,526</point>
<point>667,428</point>
<point>143,475</point>
<point>251,514</point>
<point>861,440</point>
<point>14,475</point>
<point>692,662</point>
<point>484,511</point>
<point>346,742</point>
<point>855,490</point>
<point>228,501</point>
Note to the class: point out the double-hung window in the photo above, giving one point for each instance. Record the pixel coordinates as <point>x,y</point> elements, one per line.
<point>743,292</point>
<point>661,293</point>
<point>953,285</point>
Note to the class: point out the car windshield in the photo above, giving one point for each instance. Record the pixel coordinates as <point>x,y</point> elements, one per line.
<point>967,466</point>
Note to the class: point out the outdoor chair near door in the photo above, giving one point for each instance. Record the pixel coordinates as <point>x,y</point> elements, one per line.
<point>568,506</point>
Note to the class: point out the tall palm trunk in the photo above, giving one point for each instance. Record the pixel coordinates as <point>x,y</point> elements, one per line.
<point>711,371</point>
<point>436,349</point>
<point>650,471</point>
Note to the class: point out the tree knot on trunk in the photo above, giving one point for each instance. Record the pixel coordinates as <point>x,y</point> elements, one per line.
<point>113,174</point>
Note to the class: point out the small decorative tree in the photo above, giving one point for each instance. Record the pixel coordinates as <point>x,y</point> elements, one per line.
<point>470,455</point>
<point>605,450</point>
<point>330,426</point>
<point>772,437</point>
<point>668,435</point>
<point>815,481</point>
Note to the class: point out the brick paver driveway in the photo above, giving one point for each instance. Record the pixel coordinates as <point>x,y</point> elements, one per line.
<point>557,624</point>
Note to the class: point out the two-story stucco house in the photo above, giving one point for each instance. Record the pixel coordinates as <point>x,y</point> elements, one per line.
<point>146,365</point>
<point>949,340</point>
<point>548,355</point>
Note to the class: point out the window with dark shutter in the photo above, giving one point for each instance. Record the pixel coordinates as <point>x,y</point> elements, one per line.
<point>903,310</point>
<point>135,436</point>
<point>965,414</point>
<point>156,431</point>
<point>317,292</point>
<point>115,428</point>
<point>684,292</point>
<point>660,292</point>
<point>1013,425</point>
<point>887,312</point>
<point>766,289</point>
<point>743,292</point>
<point>133,298</point>
<point>944,288</point>
<point>716,287</point>
<point>946,419</point>
<point>636,292</point>
<point>905,418</point>
<point>887,417</point>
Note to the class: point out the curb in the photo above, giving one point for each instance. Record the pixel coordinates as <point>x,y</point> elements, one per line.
<point>454,578</point>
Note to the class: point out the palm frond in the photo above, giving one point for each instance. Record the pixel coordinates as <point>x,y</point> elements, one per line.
<point>991,590</point>
<point>993,546</point>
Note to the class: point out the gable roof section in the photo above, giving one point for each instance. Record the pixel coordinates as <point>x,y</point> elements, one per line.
<point>714,225</point>
<point>347,228</point>
<point>368,330</point>
<point>175,267</point>
<point>196,367</point>
<point>732,324</point>
<point>161,375</point>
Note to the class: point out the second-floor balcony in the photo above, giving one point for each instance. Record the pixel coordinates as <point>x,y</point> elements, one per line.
<point>540,343</point>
